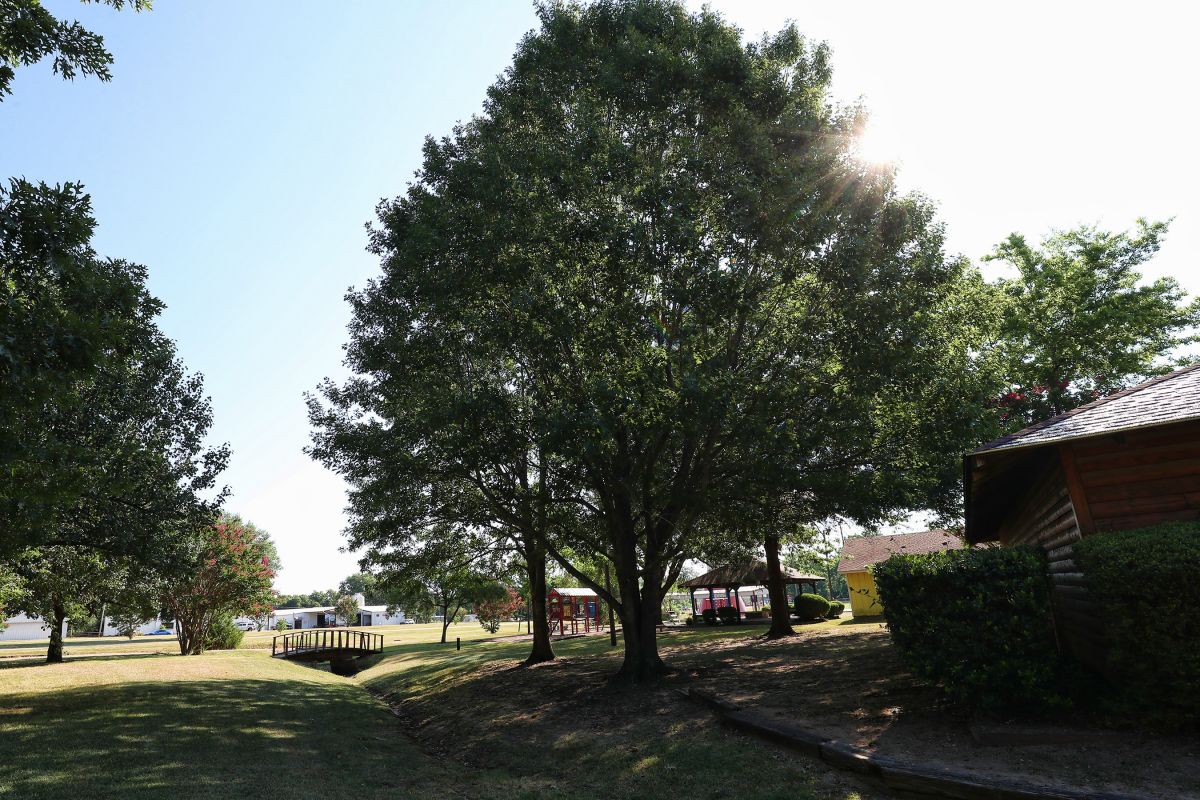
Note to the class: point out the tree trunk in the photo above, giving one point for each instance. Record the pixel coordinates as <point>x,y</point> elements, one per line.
<point>535,562</point>
<point>781,615</point>
<point>639,617</point>
<point>54,653</point>
<point>445,620</point>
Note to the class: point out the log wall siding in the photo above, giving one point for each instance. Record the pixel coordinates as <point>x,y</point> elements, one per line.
<point>1140,478</point>
<point>1127,480</point>
<point>1046,518</point>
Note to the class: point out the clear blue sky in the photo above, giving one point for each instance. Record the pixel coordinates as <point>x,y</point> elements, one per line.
<point>241,147</point>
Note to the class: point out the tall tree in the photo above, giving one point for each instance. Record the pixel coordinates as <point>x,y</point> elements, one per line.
<point>101,428</point>
<point>30,33</point>
<point>453,443</point>
<point>1080,322</point>
<point>657,233</point>
<point>61,582</point>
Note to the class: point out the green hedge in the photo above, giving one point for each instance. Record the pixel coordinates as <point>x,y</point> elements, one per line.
<point>811,606</point>
<point>1146,580</point>
<point>836,607</point>
<point>977,622</point>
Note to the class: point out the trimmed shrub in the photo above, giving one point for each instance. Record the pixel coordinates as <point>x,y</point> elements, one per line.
<point>755,615</point>
<point>1153,639</point>
<point>222,634</point>
<point>836,607</point>
<point>977,622</point>
<point>690,621</point>
<point>811,606</point>
<point>710,616</point>
<point>729,615</point>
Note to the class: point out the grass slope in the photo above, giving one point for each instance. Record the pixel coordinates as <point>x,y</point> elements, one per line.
<point>231,724</point>
<point>241,724</point>
<point>560,724</point>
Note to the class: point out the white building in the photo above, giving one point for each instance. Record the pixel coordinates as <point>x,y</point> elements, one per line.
<point>21,628</point>
<point>325,617</point>
<point>149,626</point>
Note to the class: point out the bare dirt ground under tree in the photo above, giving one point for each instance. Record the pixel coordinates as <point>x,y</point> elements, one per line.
<point>842,679</point>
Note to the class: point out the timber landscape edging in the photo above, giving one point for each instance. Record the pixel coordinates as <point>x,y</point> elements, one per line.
<point>912,780</point>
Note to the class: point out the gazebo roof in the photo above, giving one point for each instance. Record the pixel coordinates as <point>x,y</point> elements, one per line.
<point>748,573</point>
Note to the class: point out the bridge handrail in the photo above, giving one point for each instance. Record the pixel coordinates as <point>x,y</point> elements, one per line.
<point>306,641</point>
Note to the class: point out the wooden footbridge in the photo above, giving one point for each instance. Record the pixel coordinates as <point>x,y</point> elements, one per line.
<point>341,647</point>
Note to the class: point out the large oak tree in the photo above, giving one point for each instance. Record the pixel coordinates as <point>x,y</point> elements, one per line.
<point>657,239</point>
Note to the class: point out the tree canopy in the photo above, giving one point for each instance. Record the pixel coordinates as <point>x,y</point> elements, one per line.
<point>229,572</point>
<point>102,430</point>
<point>30,33</point>
<point>655,257</point>
<point>1080,322</point>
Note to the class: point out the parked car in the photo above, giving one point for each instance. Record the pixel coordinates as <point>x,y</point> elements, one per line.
<point>245,625</point>
<point>409,622</point>
<point>161,632</point>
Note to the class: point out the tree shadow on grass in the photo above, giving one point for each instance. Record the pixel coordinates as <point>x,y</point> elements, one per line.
<point>206,739</point>
<point>40,661</point>
<point>563,721</point>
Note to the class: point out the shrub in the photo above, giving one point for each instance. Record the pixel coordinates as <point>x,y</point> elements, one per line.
<point>281,625</point>
<point>729,615</point>
<point>710,616</point>
<point>1153,640</point>
<point>755,615</point>
<point>222,634</point>
<point>811,606</point>
<point>836,607</point>
<point>690,621</point>
<point>975,621</point>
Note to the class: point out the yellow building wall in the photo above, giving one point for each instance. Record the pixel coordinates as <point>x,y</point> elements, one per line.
<point>864,599</point>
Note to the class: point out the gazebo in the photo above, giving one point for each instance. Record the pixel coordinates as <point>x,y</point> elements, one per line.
<point>731,578</point>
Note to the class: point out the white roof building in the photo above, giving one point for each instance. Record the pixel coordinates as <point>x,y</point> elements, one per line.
<point>24,628</point>
<point>324,616</point>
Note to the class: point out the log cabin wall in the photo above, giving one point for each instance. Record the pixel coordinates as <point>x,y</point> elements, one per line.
<point>1138,478</point>
<point>1046,518</point>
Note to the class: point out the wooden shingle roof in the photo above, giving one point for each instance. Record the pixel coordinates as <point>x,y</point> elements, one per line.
<point>861,552</point>
<point>1174,397</point>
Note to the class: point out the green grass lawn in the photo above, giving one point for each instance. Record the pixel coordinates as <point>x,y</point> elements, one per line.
<point>241,724</point>
<point>222,725</point>
<point>88,646</point>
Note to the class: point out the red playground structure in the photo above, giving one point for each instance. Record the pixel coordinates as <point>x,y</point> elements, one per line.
<point>573,611</point>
